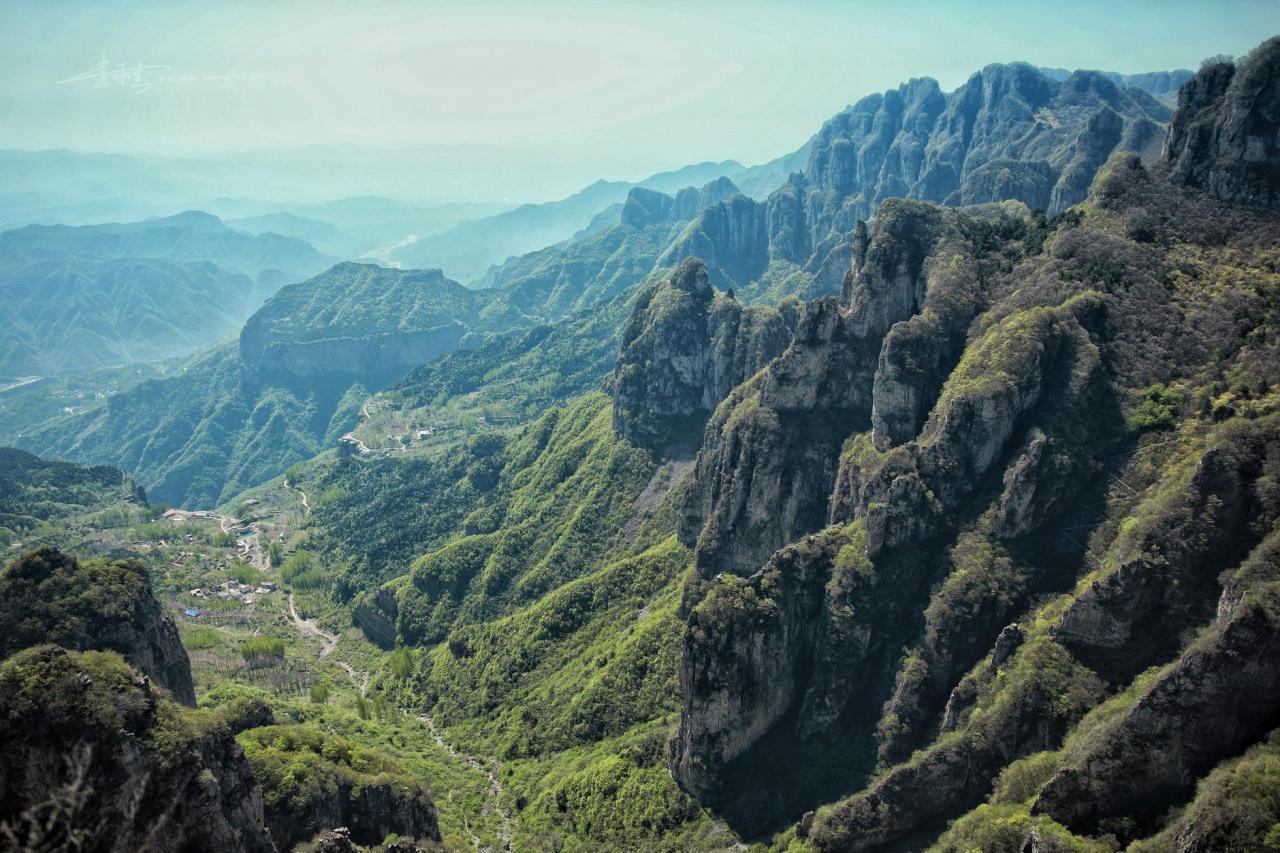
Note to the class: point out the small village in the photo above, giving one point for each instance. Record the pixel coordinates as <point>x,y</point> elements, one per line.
<point>232,589</point>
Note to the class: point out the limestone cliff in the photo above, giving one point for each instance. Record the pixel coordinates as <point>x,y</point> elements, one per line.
<point>984,489</point>
<point>1225,136</point>
<point>771,451</point>
<point>1222,696</point>
<point>730,237</point>
<point>358,322</point>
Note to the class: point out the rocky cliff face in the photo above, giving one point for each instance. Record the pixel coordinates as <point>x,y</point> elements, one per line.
<point>939,520</point>
<point>373,358</point>
<point>1222,696</point>
<point>644,207</point>
<point>1009,132</point>
<point>50,597</point>
<point>1225,136</point>
<point>685,348</point>
<point>96,759</point>
<point>771,452</point>
<point>1169,575</point>
<point>730,237</point>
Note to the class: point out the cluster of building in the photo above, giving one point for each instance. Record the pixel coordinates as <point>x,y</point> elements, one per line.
<point>228,590</point>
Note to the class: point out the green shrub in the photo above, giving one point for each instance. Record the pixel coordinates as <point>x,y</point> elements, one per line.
<point>1157,409</point>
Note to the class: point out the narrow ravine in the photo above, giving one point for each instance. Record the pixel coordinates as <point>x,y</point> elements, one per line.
<point>490,768</point>
<point>360,679</point>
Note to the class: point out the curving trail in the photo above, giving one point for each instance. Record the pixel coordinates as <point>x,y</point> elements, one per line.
<point>495,793</point>
<point>306,505</point>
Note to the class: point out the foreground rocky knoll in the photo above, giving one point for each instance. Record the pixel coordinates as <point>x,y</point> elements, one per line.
<point>1003,514</point>
<point>96,754</point>
<point>47,596</point>
<point>97,759</point>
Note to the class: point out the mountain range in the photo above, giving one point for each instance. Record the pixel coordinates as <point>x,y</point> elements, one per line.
<point>914,141</point>
<point>469,249</point>
<point>931,502</point>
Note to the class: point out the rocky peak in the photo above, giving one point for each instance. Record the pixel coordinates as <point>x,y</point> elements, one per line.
<point>684,348</point>
<point>644,207</point>
<point>691,201</point>
<point>769,454</point>
<point>1224,137</point>
<point>691,277</point>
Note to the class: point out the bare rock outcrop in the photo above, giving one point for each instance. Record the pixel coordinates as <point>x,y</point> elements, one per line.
<point>1168,575</point>
<point>1225,136</point>
<point>684,349</point>
<point>1220,697</point>
<point>770,452</point>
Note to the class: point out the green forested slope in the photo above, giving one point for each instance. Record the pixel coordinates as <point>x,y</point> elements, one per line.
<point>537,617</point>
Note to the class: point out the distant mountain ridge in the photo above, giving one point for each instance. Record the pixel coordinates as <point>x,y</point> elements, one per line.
<point>466,251</point>
<point>1160,84</point>
<point>97,295</point>
<point>1009,132</point>
<point>190,236</point>
<point>81,313</point>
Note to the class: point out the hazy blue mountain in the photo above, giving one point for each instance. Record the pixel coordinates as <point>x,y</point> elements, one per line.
<point>1010,132</point>
<point>351,228</point>
<point>80,297</point>
<point>1160,84</point>
<point>59,184</point>
<point>324,236</point>
<point>759,181</point>
<point>184,237</point>
<point>242,414</point>
<point>560,279</point>
<point>80,313</point>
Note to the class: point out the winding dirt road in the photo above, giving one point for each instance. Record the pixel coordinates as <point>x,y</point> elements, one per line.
<point>311,628</point>
<point>306,505</point>
<point>360,679</point>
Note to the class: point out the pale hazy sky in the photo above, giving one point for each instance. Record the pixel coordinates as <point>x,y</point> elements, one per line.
<point>616,89</point>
